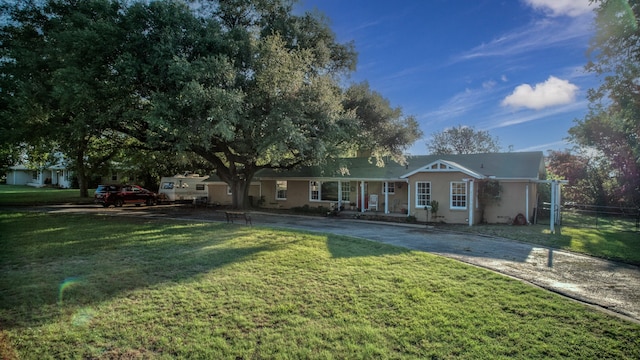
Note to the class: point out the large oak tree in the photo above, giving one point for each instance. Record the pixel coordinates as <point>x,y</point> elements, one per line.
<point>246,85</point>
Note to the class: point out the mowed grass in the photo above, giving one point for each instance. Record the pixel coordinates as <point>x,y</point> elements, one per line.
<point>608,242</point>
<point>15,195</point>
<point>77,286</point>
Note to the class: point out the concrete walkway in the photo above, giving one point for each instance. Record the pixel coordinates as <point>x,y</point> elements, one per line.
<point>611,286</point>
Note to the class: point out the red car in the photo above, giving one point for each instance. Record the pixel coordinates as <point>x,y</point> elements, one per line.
<point>118,195</point>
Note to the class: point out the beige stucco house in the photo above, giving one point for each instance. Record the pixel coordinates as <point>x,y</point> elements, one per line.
<point>460,185</point>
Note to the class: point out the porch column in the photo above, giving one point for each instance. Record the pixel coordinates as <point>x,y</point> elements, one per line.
<point>362,196</point>
<point>470,202</point>
<point>552,226</point>
<point>408,198</point>
<point>386,197</point>
<point>339,194</point>
<point>559,202</point>
<point>526,201</point>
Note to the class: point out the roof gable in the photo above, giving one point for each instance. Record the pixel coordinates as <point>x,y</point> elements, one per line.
<point>443,166</point>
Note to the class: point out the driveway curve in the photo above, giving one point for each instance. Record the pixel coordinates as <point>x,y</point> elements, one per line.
<point>611,286</point>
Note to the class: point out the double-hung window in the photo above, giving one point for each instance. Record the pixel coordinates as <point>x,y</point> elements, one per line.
<point>423,193</point>
<point>346,190</point>
<point>458,195</point>
<point>314,190</point>
<point>281,190</point>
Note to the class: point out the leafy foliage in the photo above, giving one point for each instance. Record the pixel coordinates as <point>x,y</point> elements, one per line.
<point>382,130</point>
<point>588,176</point>
<point>243,84</point>
<point>612,125</point>
<point>462,140</point>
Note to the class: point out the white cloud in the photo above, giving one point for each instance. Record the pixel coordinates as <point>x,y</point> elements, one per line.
<point>556,145</point>
<point>552,92</point>
<point>504,78</point>
<point>488,84</point>
<point>540,35</point>
<point>571,8</point>
<point>458,105</point>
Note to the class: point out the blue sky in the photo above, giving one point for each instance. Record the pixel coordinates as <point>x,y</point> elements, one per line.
<point>512,67</point>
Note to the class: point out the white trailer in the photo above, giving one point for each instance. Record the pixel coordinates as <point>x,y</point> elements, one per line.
<point>183,188</point>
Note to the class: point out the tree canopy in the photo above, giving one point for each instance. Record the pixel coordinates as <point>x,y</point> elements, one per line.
<point>243,84</point>
<point>612,124</point>
<point>462,140</point>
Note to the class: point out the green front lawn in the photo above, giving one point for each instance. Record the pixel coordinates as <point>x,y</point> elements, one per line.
<point>14,195</point>
<point>103,287</point>
<point>620,244</point>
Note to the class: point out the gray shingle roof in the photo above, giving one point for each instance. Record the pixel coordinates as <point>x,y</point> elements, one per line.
<point>512,165</point>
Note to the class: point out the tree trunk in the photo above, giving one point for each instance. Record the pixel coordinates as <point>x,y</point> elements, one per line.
<point>81,173</point>
<point>240,194</point>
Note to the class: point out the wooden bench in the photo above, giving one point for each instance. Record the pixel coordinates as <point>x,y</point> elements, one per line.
<point>238,215</point>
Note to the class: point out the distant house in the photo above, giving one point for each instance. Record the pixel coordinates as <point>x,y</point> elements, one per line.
<point>454,181</point>
<point>52,175</point>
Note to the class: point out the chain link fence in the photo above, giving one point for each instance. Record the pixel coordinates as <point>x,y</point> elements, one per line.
<point>591,216</point>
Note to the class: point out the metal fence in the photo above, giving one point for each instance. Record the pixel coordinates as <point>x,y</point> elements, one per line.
<point>591,216</point>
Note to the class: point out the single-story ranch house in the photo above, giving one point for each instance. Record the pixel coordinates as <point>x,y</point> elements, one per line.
<point>504,185</point>
<point>54,175</point>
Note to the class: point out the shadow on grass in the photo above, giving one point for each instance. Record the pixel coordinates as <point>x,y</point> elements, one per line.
<point>52,262</point>
<point>345,247</point>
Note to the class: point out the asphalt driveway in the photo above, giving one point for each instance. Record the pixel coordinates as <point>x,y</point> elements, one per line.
<point>608,285</point>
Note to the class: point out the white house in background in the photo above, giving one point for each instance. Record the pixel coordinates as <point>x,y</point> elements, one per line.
<point>57,175</point>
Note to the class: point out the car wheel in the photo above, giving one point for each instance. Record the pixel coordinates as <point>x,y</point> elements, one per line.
<point>119,203</point>
<point>105,205</point>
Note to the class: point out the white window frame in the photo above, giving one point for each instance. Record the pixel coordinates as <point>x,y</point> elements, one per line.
<point>314,185</point>
<point>427,200</point>
<point>346,191</point>
<point>229,190</point>
<point>460,196</point>
<point>281,185</point>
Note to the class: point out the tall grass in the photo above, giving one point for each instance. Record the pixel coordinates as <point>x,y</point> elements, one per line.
<point>101,287</point>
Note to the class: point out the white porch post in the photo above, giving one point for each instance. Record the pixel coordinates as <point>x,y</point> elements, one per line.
<point>559,203</point>
<point>526,201</point>
<point>362,196</point>
<point>386,197</point>
<point>470,202</point>
<point>408,198</point>
<point>339,195</point>
<point>552,226</point>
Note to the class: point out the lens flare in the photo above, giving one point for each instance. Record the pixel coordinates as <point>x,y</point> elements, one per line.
<point>66,284</point>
